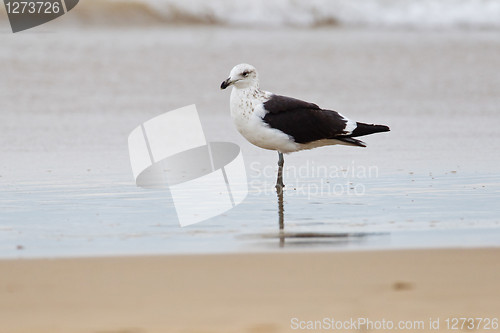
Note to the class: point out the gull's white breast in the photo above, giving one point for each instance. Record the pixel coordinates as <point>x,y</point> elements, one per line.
<point>247,111</point>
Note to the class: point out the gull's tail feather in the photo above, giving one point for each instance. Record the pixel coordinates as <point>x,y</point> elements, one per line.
<point>365,129</point>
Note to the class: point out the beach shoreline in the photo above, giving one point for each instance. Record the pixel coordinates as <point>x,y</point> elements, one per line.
<point>267,292</point>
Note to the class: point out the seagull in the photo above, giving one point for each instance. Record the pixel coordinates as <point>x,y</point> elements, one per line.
<point>287,124</point>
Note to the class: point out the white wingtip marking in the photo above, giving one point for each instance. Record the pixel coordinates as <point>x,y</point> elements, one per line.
<point>350,126</point>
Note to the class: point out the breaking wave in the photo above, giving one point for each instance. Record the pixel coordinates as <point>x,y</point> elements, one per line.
<point>414,14</point>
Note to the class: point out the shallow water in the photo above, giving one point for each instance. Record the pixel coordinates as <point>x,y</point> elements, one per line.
<point>397,211</point>
<point>433,181</point>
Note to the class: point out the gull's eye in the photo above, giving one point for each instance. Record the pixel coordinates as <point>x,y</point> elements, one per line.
<point>245,73</point>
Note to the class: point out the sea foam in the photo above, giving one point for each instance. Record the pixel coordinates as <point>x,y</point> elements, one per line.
<point>412,14</point>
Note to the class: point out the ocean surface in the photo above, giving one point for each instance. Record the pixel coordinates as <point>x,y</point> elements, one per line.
<point>72,94</point>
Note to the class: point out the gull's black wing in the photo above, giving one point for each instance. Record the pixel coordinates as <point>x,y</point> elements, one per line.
<point>305,122</point>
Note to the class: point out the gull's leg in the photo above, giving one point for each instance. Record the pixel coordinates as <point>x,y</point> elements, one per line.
<point>279,181</point>
<point>279,192</point>
<point>281,217</point>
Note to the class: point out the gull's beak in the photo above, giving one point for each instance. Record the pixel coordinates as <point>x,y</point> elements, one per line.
<point>226,83</point>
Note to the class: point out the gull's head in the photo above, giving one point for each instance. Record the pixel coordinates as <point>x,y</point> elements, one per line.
<point>242,76</point>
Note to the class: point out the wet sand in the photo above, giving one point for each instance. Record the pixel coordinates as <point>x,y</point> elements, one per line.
<point>75,97</point>
<point>258,293</point>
